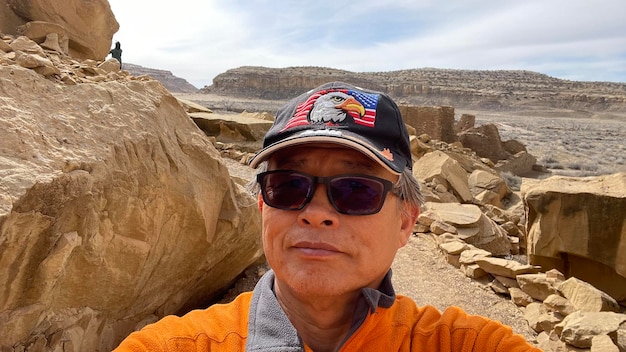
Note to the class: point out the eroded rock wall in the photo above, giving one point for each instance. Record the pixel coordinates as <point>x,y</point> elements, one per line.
<point>115,210</point>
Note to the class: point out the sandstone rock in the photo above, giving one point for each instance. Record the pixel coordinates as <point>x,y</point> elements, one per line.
<point>89,26</point>
<point>520,297</point>
<point>231,128</point>
<point>603,343</point>
<point>507,281</point>
<point>470,256</point>
<point>548,320</point>
<point>505,267</point>
<point>457,215</point>
<point>27,46</point>
<point>427,217</point>
<point>587,298</point>
<point>579,328</point>
<point>554,276</point>
<point>543,341</point>
<point>473,271</point>
<point>489,197</point>
<point>556,345</point>
<point>578,224</point>
<point>110,65</point>
<point>453,247</point>
<point>517,164</point>
<point>498,287</point>
<point>501,216</point>
<point>190,106</point>
<point>559,304</point>
<point>448,237</point>
<point>420,228</point>
<point>453,259</point>
<point>514,244</point>
<point>511,229</point>
<point>115,208</point>
<point>439,227</point>
<point>536,285</point>
<point>51,36</point>
<point>418,148</point>
<point>5,47</point>
<point>52,43</point>
<point>438,165</point>
<point>532,313</point>
<point>31,60</point>
<point>620,338</point>
<point>468,234</point>
<point>491,237</point>
<point>480,181</point>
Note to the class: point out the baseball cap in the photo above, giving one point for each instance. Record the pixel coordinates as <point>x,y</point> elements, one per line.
<point>340,113</point>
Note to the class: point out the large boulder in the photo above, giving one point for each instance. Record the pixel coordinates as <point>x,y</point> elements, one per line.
<point>115,210</point>
<point>88,25</point>
<point>440,168</point>
<point>578,226</point>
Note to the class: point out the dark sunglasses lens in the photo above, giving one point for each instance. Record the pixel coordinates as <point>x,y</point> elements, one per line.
<point>355,195</point>
<point>285,190</point>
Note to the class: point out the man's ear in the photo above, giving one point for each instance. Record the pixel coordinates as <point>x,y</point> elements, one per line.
<point>409,218</point>
<point>260,202</point>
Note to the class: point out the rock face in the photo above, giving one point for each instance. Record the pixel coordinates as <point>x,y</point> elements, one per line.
<point>491,90</point>
<point>578,225</point>
<point>87,25</point>
<point>172,83</point>
<point>115,209</point>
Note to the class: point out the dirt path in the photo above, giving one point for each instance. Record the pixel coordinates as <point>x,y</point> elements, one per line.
<point>421,272</point>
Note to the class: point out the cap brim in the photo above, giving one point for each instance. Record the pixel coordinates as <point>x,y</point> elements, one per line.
<point>344,140</point>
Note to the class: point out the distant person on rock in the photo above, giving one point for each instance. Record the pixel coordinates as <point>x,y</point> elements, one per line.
<point>116,53</point>
<point>338,199</point>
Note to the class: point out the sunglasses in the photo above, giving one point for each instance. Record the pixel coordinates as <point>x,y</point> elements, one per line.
<point>349,194</point>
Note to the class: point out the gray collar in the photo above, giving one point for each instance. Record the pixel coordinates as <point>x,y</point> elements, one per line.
<point>269,329</point>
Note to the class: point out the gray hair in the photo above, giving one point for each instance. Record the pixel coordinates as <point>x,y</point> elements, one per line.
<point>407,188</point>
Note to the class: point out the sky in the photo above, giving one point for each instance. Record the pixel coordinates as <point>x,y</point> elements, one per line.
<point>580,40</point>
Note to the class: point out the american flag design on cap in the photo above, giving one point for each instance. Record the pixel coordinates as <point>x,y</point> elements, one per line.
<point>333,106</point>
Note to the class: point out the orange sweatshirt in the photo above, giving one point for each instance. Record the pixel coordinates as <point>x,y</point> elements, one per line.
<point>255,322</point>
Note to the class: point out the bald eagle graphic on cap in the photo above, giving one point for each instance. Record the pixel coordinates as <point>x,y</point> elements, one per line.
<point>333,108</point>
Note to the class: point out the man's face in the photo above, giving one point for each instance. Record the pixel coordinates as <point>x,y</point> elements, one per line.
<point>318,251</point>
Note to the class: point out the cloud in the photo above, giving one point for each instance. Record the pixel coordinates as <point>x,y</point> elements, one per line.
<point>198,39</point>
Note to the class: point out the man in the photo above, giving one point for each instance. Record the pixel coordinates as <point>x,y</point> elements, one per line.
<point>337,199</point>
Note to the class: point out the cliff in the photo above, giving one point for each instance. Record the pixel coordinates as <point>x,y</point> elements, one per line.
<point>171,82</point>
<point>469,89</point>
